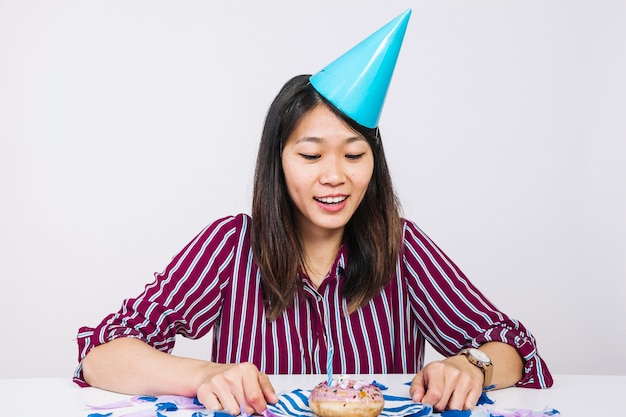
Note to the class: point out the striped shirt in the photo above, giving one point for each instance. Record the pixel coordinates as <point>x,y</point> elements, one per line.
<point>214,284</point>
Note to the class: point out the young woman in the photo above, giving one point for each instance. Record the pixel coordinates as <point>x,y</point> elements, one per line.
<point>324,262</point>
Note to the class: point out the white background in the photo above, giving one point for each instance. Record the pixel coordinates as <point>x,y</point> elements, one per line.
<point>126,127</point>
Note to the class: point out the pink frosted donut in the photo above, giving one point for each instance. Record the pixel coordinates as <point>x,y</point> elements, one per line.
<point>346,398</point>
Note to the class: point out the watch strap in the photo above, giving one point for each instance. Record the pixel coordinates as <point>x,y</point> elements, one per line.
<point>485,367</point>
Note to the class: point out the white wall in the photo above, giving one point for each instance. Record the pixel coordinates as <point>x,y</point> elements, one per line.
<point>125,127</point>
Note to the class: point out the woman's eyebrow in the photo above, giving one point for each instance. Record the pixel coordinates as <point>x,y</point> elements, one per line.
<point>316,139</point>
<point>313,139</point>
<point>355,139</point>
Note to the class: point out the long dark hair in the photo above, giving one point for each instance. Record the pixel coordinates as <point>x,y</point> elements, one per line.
<point>372,236</point>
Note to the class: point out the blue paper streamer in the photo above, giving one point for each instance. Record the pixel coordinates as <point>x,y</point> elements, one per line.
<point>426,411</point>
<point>222,414</point>
<point>484,399</point>
<point>456,413</point>
<point>379,385</point>
<point>296,404</point>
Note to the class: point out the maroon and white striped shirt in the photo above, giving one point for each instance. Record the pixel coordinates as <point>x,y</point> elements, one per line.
<point>215,284</point>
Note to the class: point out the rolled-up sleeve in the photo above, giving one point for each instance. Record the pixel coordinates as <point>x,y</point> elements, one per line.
<point>183,299</point>
<point>512,332</point>
<point>453,314</point>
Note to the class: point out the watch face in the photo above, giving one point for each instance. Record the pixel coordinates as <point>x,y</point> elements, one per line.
<point>480,355</point>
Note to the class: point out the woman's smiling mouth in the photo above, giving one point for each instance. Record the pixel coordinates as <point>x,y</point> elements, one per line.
<point>331,200</point>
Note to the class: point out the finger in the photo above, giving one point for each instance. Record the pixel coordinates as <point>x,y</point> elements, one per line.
<point>228,387</point>
<point>254,399</point>
<point>464,395</point>
<point>472,398</point>
<point>227,399</point>
<point>209,401</point>
<point>229,403</point>
<point>418,387</point>
<point>437,393</point>
<point>457,400</point>
<point>268,389</point>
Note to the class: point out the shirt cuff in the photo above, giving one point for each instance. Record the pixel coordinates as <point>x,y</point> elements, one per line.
<point>536,373</point>
<point>88,338</point>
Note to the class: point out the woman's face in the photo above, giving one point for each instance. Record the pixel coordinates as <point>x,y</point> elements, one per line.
<point>327,168</point>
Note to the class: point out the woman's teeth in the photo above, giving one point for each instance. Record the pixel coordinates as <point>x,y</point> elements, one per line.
<point>330,200</point>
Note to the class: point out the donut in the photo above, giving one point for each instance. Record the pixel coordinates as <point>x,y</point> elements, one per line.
<point>346,398</point>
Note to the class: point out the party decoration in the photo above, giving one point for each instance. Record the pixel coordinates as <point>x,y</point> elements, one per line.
<point>329,367</point>
<point>357,82</point>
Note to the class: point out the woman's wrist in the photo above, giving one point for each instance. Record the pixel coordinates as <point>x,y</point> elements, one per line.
<point>198,373</point>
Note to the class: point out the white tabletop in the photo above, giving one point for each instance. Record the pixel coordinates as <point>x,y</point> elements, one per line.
<point>572,395</point>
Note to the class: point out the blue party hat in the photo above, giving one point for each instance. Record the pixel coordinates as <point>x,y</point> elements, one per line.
<point>357,82</point>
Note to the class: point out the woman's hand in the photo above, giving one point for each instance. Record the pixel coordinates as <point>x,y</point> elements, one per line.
<point>130,366</point>
<point>452,384</point>
<point>231,386</point>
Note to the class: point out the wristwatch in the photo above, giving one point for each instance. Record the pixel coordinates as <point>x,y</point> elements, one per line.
<point>481,360</point>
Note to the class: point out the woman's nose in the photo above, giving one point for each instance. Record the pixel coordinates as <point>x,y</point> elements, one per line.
<point>333,173</point>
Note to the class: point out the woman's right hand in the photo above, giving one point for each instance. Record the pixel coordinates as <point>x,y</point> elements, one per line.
<point>232,387</point>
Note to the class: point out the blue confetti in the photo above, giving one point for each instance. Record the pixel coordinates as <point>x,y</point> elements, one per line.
<point>166,406</point>
<point>147,398</point>
<point>99,415</point>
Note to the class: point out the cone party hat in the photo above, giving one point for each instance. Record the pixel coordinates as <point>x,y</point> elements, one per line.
<point>357,82</point>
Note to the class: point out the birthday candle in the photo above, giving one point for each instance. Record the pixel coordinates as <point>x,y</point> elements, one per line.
<point>329,366</point>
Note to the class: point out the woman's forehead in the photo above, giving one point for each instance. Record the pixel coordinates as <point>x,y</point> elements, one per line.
<point>321,124</point>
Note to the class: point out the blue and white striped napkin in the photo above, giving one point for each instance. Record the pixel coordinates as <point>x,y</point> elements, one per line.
<point>296,404</point>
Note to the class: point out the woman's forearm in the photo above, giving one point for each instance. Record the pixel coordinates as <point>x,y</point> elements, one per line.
<point>131,366</point>
<point>507,363</point>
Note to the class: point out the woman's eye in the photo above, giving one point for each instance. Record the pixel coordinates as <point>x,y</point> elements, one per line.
<point>309,157</point>
<point>355,156</point>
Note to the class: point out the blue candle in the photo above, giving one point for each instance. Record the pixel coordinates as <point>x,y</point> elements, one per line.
<point>329,366</point>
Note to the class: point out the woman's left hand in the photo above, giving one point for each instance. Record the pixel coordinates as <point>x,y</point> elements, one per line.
<point>449,384</point>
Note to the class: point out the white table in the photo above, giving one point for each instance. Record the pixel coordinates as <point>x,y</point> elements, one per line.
<point>572,395</point>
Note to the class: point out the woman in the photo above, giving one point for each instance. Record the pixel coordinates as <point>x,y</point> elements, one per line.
<point>324,264</point>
